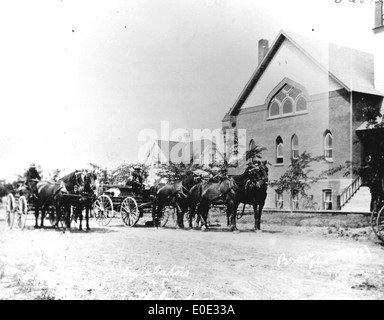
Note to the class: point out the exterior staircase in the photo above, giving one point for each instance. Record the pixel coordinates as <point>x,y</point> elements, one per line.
<point>359,202</point>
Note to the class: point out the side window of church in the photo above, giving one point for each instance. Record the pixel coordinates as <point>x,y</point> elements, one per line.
<point>279,150</point>
<point>295,147</point>
<point>328,145</point>
<point>327,199</point>
<point>279,200</point>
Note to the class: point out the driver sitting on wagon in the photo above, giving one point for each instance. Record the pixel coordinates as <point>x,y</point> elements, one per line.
<point>31,177</point>
<point>135,179</point>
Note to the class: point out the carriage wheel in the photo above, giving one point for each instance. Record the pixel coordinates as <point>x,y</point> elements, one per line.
<point>10,210</point>
<point>380,224</point>
<point>103,210</point>
<point>129,212</point>
<point>374,215</point>
<point>22,212</point>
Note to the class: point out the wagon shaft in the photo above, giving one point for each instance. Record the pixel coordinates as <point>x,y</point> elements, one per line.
<point>145,205</point>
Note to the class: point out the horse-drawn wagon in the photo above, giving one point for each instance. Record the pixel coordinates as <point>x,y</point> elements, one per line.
<point>16,208</point>
<point>128,202</point>
<point>19,203</point>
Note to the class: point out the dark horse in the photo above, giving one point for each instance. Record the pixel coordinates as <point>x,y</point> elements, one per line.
<point>81,188</point>
<point>254,193</point>
<point>249,187</point>
<point>44,195</point>
<point>173,194</point>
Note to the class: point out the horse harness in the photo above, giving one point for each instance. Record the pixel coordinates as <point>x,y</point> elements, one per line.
<point>236,187</point>
<point>175,193</point>
<point>51,197</point>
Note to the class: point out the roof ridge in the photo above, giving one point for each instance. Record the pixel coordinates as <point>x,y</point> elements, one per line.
<point>325,41</point>
<point>306,45</point>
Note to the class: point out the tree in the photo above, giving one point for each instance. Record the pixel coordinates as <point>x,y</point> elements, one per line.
<point>3,191</point>
<point>369,113</point>
<point>103,174</point>
<point>297,179</point>
<point>54,175</point>
<point>175,171</point>
<point>231,159</point>
<point>121,174</point>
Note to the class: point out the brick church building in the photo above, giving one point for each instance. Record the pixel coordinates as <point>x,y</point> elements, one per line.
<point>305,96</point>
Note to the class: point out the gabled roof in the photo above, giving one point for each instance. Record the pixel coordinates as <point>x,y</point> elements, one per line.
<point>193,147</point>
<point>350,68</point>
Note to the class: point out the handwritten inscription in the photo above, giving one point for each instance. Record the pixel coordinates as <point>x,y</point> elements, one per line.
<point>354,1</point>
<point>175,271</point>
<point>157,278</point>
<point>316,258</point>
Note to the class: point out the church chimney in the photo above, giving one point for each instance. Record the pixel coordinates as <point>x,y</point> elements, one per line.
<point>263,49</point>
<point>379,14</point>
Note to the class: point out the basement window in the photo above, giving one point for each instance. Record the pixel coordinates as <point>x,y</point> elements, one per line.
<point>279,200</point>
<point>327,199</point>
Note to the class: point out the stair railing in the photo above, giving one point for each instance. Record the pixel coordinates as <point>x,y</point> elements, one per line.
<point>348,193</point>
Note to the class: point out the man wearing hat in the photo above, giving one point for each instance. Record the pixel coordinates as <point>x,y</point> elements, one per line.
<point>136,175</point>
<point>135,179</point>
<point>31,176</point>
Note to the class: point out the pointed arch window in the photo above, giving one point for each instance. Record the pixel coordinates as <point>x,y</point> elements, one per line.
<point>279,150</point>
<point>289,100</point>
<point>252,146</point>
<point>328,145</point>
<point>274,109</point>
<point>295,146</point>
<point>287,106</point>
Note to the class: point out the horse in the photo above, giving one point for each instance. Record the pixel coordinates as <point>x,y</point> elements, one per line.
<point>174,194</point>
<point>74,181</point>
<point>88,193</point>
<point>194,194</point>
<point>46,194</point>
<point>83,185</point>
<point>255,193</point>
<point>230,191</point>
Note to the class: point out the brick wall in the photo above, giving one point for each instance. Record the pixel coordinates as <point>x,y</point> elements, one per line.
<point>329,111</point>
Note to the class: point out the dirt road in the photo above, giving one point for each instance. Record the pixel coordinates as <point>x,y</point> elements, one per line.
<point>294,258</point>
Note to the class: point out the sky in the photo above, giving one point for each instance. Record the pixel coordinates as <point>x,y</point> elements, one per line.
<point>79,80</point>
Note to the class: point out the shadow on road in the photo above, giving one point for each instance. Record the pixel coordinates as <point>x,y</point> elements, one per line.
<point>217,228</point>
<point>71,230</point>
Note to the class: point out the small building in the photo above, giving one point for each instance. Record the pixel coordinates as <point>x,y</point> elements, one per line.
<point>200,151</point>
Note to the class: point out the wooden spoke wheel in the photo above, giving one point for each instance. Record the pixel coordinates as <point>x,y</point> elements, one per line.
<point>129,211</point>
<point>103,210</point>
<point>22,212</point>
<point>380,224</point>
<point>10,210</point>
